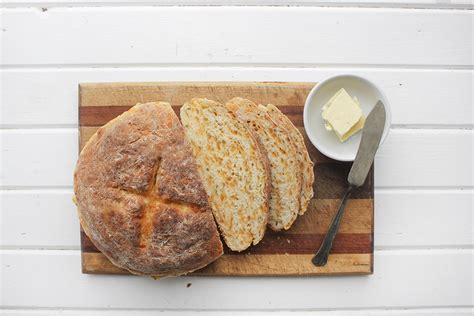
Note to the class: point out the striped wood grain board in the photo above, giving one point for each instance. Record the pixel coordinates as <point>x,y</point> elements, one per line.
<point>285,253</point>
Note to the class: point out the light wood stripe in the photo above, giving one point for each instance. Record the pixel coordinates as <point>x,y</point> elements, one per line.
<point>254,265</point>
<point>85,133</point>
<point>176,93</point>
<point>98,263</point>
<point>287,265</point>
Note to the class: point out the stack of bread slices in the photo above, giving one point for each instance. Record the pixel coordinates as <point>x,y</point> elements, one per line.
<point>148,188</point>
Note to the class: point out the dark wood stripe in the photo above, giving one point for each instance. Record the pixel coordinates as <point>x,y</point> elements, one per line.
<point>99,115</point>
<point>86,243</point>
<point>292,109</point>
<point>284,243</point>
<point>331,181</point>
<point>296,119</point>
<point>318,157</point>
<point>308,244</point>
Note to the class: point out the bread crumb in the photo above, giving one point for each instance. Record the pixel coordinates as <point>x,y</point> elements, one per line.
<point>288,241</point>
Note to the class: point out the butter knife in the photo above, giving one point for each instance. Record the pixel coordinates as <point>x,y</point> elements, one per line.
<point>371,135</point>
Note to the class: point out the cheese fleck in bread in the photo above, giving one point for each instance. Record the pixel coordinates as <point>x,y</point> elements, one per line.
<point>306,165</point>
<point>233,168</point>
<point>285,170</point>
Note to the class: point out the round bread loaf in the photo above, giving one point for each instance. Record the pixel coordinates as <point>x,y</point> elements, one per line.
<point>140,198</point>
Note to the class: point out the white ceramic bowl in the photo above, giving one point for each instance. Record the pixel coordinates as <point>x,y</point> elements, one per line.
<point>326,141</point>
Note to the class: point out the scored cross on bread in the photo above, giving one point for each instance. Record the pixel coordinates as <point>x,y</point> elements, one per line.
<point>285,171</point>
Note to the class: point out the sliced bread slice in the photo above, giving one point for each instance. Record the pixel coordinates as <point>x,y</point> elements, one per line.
<point>306,165</point>
<point>233,168</point>
<point>285,171</point>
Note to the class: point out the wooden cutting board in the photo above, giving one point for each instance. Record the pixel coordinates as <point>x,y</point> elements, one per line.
<point>285,253</point>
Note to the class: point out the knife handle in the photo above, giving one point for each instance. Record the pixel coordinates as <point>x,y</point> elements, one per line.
<point>321,257</point>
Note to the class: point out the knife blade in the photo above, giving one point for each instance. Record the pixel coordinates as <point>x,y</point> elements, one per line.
<point>369,143</point>
<point>371,136</point>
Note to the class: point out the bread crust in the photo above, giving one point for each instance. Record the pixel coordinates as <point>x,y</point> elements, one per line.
<point>306,165</point>
<point>140,197</point>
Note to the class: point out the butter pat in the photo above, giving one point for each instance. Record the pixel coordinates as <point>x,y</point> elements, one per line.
<point>343,115</point>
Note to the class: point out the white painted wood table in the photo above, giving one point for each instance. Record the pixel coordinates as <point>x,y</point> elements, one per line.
<point>419,51</point>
